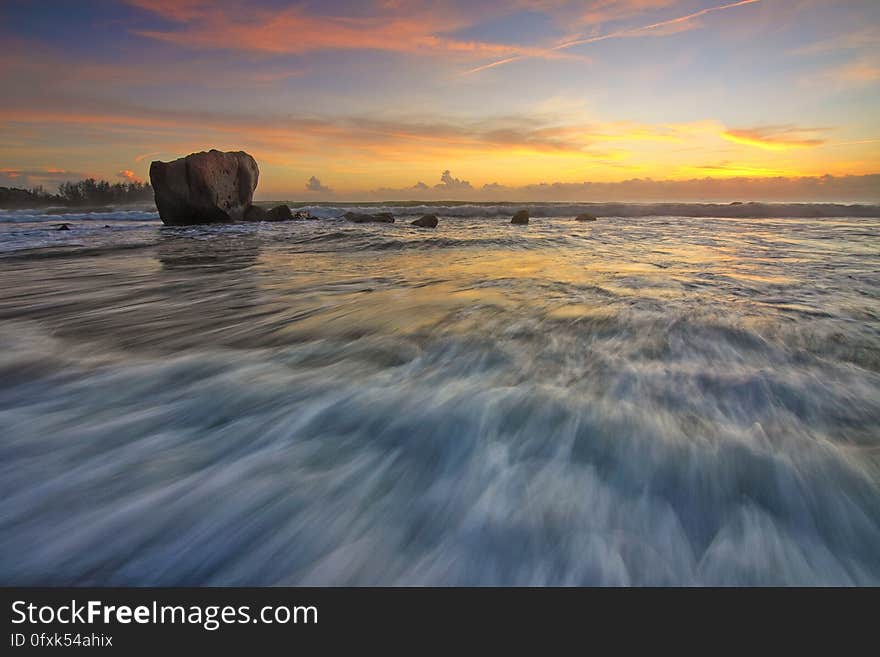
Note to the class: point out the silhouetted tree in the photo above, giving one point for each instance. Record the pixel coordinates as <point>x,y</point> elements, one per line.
<point>101,192</point>
<point>84,192</point>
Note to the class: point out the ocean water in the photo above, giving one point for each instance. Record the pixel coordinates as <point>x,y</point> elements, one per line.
<point>642,400</point>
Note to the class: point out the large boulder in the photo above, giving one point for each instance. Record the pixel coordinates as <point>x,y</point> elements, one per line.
<point>361,218</point>
<point>204,188</point>
<point>521,217</point>
<point>426,221</point>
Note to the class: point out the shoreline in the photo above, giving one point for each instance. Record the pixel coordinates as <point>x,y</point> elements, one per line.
<point>736,209</point>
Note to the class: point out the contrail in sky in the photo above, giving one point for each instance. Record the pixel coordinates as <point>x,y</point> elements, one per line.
<point>616,35</point>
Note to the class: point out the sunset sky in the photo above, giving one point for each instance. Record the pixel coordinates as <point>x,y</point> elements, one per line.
<point>378,99</point>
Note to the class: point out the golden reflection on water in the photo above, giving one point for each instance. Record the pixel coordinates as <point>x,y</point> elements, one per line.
<point>412,291</point>
<point>284,283</point>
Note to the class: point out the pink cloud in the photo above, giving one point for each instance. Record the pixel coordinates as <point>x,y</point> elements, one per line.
<point>419,31</point>
<point>176,10</point>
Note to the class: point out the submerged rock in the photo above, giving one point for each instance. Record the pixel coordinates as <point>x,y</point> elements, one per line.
<point>255,213</point>
<point>585,217</point>
<point>279,213</point>
<point>521,217</point>
<point>63,227</point>
<point>203,188</point>
<point>427,221</point>
<point>361,218</point>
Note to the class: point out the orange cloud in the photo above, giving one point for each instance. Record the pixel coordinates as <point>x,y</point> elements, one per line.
<point>129,175</point>
<point>299,134</point>
<point>775,138</point>
<point>364,151</point>
<point>45,176</point>
<point>860,71</point>
<point>731,169</point>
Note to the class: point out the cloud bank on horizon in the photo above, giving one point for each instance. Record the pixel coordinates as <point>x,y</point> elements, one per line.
<point>827,189</point>
<point>691,98</point>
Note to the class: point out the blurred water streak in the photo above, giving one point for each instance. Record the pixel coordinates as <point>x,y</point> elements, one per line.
<point>657,400</point>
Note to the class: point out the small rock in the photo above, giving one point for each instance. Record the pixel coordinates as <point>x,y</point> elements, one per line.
<point>427,221</point>
<point>585,217</point>
<point>63,227</point>
<point>521,217</point>
<point>255,213</point>
<point>279,213</point>
<point>360,218</point>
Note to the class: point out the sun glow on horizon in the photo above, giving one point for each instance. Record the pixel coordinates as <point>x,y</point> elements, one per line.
<point>376,103</point>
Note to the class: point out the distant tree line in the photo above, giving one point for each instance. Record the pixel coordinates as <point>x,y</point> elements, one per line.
<point>89,192</point>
